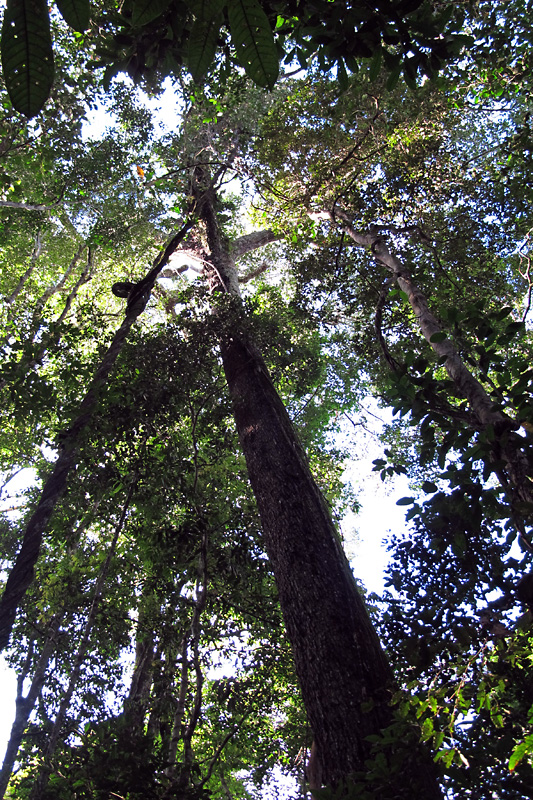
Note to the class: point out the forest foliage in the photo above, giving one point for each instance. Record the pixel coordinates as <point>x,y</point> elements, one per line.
<point>375,196</point>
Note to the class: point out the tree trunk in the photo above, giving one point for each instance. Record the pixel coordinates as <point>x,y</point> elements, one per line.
<point>24,704</point>
<point>508,448</point>
<point>41,781</point>
<point>137,701</point>
<point>345,678</point>
<point>21,574</point>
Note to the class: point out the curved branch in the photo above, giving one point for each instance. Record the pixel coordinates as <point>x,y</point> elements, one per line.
<point>252,241</point>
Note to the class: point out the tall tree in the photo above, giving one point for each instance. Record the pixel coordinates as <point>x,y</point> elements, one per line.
<point>296,521</point>
<point>338,186</point>
<point>338,657</point>
<point>392,172</point>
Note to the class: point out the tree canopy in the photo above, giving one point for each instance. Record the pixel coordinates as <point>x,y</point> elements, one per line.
<point>208,39</point>
<point>193,318</point>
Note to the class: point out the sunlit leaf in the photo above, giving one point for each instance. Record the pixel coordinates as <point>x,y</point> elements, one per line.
<point>521,750</point>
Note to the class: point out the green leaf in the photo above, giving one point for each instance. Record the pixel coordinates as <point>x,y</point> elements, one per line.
<point>27,56</point>
<point>75,13</point>
<point>110,72</point>
<point>514,327</point>
<point>427,729</point>
<point>440,336</point>
<point>342,75</point>
<point>520,751</point>
<point>145,11</point>
<point>405,501</point>
<point>254,41</point>
<point>504,312</point>
<point>392,80</point>
<point>203,39</point>
<point>446,756</point>
<point>375,65</point>
<point>438,739</point>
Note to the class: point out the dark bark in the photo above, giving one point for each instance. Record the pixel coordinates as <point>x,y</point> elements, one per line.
<point>345,678</point>
<point>22,572</point>
<point>338,658</point>
<point>136,704</point>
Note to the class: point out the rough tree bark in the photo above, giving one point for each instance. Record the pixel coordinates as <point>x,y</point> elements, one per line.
<point>137,702</point>
<point>345,678</point>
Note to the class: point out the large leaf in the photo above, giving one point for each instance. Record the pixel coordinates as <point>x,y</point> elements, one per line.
<point>254,42</point>
<point>27,57</point>
<point>145,11</point>
<point>203,39</point>
<point>202,47</point>
<point>75,13</point>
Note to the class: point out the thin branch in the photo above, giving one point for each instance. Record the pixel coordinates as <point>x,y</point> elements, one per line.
<point>378,318</point>
<point>50,340</point>
<point>254,273</point>
<point>51,290</point>
<point>85,276</point>
<point>27,206</point>
<point>527,276</point>
<point>227,738</point>
<point>37,248</point>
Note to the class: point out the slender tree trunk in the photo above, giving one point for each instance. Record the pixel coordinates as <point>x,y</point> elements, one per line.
<point>20,285</point>
<point>508,447</point>
<point>44,775</point>
<point>24,704</point>
<point>345,678</point>
<point>136,704</point>
<point>37,318</point>
<point>22,572</point>
<point>52,339</point>
<point>181,731</point>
